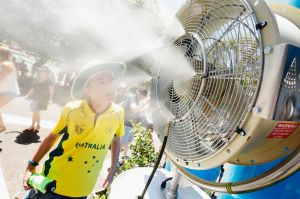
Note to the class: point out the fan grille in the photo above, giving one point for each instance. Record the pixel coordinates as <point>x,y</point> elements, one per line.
<point>289,82</point>
<point>223,47</point>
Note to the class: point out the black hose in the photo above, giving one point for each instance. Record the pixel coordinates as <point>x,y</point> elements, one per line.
<point>155,167</point>
<point>222,170</point>
<point>164,183</point>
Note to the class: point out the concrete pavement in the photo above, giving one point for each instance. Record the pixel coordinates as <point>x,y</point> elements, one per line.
<point>3,188</point>
<point>17,148</point>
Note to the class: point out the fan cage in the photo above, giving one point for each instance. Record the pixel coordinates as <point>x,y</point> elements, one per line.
<point>224,48</point>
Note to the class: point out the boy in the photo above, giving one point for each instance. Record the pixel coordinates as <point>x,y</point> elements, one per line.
<point>86,128</point>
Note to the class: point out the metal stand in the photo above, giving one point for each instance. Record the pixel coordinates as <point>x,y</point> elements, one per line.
<point>171,192</point>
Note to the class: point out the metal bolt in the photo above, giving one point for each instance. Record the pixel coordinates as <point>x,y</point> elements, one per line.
<point>256,110</point>
<point>263,23</point>
<point>268,50</point>
<point>242,133</point>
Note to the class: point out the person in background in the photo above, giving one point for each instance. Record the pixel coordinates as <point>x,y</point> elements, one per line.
<point>41,94</point>
<point>9,88</point>
<point>141,107</point>
<point>86,129</point>
<point>16,64</point>
<point>37,64</point>
<point>23,69</point>
<point>128,100</point>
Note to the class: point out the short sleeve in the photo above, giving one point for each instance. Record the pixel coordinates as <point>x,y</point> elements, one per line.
<point>120,131</point>
<point>62,122</point>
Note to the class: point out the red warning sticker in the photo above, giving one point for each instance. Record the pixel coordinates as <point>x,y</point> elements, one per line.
<point>283,130</point>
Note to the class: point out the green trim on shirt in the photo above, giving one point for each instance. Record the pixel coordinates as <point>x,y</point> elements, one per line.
<point>56,152</point>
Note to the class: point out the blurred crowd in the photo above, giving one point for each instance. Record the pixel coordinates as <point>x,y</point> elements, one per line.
<point>61,81</point>
<point>38,83</point>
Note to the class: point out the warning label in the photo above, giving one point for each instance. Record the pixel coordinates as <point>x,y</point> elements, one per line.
<point>283,130</point>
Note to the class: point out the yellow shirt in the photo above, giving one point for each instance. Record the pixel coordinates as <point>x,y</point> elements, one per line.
<point>76,162</point>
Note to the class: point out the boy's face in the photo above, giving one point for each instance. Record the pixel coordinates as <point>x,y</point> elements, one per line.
<point>101,87</point>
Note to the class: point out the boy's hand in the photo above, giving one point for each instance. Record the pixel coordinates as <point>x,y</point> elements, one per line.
<point>29,171</point>
<point>108,180</point>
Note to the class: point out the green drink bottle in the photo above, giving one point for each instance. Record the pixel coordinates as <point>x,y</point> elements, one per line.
<point>42,183</point>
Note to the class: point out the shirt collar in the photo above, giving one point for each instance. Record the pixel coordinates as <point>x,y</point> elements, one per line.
<point>88,110</point>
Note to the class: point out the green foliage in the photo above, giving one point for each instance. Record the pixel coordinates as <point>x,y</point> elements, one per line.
<point>142,150</point>
<point>101,197</point>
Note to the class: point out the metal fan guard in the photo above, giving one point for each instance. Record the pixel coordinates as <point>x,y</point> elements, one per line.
<point>224,48</point>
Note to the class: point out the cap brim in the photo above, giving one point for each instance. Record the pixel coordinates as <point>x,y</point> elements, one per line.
<point>77,90</point>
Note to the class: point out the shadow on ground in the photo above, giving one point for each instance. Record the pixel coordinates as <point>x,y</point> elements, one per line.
<point>26,138</point>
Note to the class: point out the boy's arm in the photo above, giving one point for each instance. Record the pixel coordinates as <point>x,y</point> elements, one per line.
<point>115,150</point>
<point>43,149</point>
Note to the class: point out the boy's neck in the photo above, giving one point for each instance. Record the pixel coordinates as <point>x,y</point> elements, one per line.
<point>98,107</point>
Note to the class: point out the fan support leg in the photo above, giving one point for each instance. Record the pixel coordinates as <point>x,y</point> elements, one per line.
<point>171,192</point>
